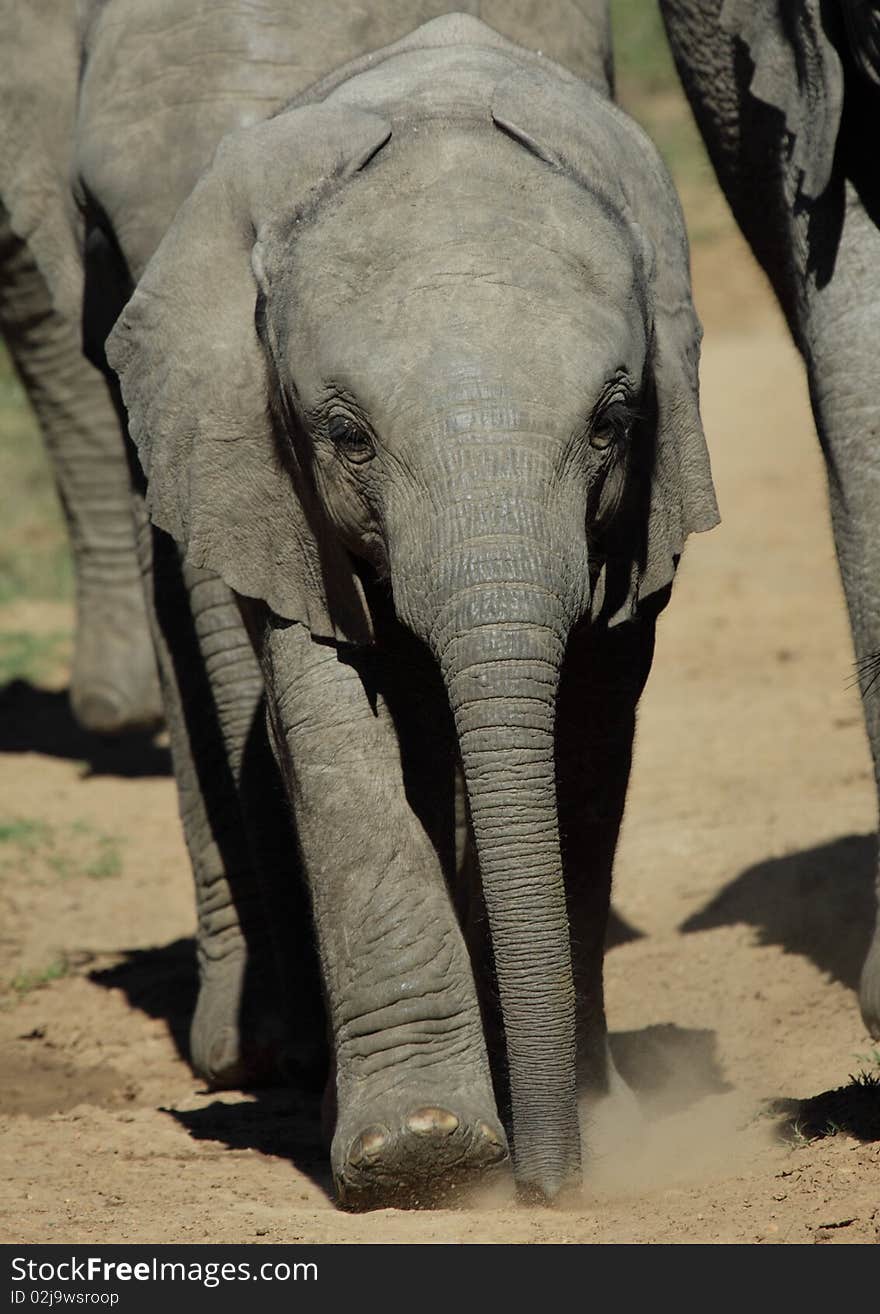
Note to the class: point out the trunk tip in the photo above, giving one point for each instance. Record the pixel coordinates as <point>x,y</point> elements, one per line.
<point>550,1190</point>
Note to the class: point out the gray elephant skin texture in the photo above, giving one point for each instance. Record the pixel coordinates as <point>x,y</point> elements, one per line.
<point>412,377</point>
<point>113,686</point>
<point>113,683</point>
<point>786,97</point>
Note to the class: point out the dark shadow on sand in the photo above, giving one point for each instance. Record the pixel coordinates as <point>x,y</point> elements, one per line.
<point>162,982</point>
<point>669,1067</point>
<point>818,903</point>
<point>619,931</point>
<point>36,720</point>
<point>275,1122</point>
<point>853,1109</point>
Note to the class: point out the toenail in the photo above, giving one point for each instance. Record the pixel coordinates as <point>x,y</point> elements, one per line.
<point>492,1139</point>
<point>425,1121</point>
<point>370,1143</point>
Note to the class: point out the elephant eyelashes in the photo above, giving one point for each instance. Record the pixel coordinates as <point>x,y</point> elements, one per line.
<point>611,428</point>
<point>350,439</point>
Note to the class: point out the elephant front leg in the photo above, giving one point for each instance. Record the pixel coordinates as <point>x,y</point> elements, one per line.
<point>604,676</point>
<point>416,1114</point>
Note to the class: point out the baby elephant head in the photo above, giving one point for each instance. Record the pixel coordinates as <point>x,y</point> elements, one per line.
<point>458,347</point>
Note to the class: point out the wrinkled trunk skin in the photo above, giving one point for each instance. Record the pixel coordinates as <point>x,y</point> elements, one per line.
<point>496,604</point>
<point>504,710</point>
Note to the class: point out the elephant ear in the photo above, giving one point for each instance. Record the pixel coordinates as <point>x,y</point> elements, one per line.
<point>798,71</point>
<point>197,382</point>
<point>576,130</point>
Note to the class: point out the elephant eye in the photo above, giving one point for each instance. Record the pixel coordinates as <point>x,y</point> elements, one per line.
<point>611,428</point>
<point>350,439</point>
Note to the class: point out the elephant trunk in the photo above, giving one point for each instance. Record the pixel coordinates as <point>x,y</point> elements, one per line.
<point>504,708</point>
<point>498,630</point>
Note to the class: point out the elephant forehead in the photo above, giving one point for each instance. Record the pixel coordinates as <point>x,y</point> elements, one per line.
<point>472,271</point>
<point>440,204</point>
<point>499,333</point>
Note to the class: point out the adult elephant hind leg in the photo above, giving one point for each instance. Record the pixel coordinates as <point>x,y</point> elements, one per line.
<point>416,1117</point>
<point>603,677</point>
<point>842,334</point>
<point>114,686</point>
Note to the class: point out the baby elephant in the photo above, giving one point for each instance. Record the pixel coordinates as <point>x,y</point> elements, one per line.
<point>414,371</point>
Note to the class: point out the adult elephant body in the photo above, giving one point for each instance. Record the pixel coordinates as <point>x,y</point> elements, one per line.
<point>785,97</point>
<point>113,682</point>
<point>412,377</point>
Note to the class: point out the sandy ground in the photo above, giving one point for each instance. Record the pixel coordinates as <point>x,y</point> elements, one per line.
<point>744,876</point>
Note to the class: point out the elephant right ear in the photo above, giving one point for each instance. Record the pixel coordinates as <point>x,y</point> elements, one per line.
<point>196,381</point>
<point>798,71</point>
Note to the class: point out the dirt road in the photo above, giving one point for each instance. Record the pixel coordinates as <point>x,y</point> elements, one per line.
<point>744,875</point>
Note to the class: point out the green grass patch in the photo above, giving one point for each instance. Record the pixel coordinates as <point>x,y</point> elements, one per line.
<point>641,52</point>
<point>24,982</point>
<point>33,657</point>
<point>34,848</point>
<point>648,88</point>
<point>24,834</point>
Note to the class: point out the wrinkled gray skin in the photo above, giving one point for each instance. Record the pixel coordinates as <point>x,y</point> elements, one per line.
<point>412,377</point>
<point>786,98</point>
<point>402,428</point>
<point>113,681</point>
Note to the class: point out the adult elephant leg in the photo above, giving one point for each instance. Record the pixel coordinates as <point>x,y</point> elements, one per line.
<point>841,335</point>
<point>113,683</point>
<point>415,1109</point>
<point>259,1012</point>
<point>603,677</point>
<point>823,260</point>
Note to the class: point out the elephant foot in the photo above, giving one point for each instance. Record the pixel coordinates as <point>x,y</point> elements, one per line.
<point>869,987</point>
<point>234,1046</point>
<point>114,687</point>
<point>105,709</point>
<point>414,1155</point>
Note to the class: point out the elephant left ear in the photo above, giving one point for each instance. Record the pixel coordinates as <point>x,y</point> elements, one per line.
<point>578,131</point>
<point>798,71</point>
